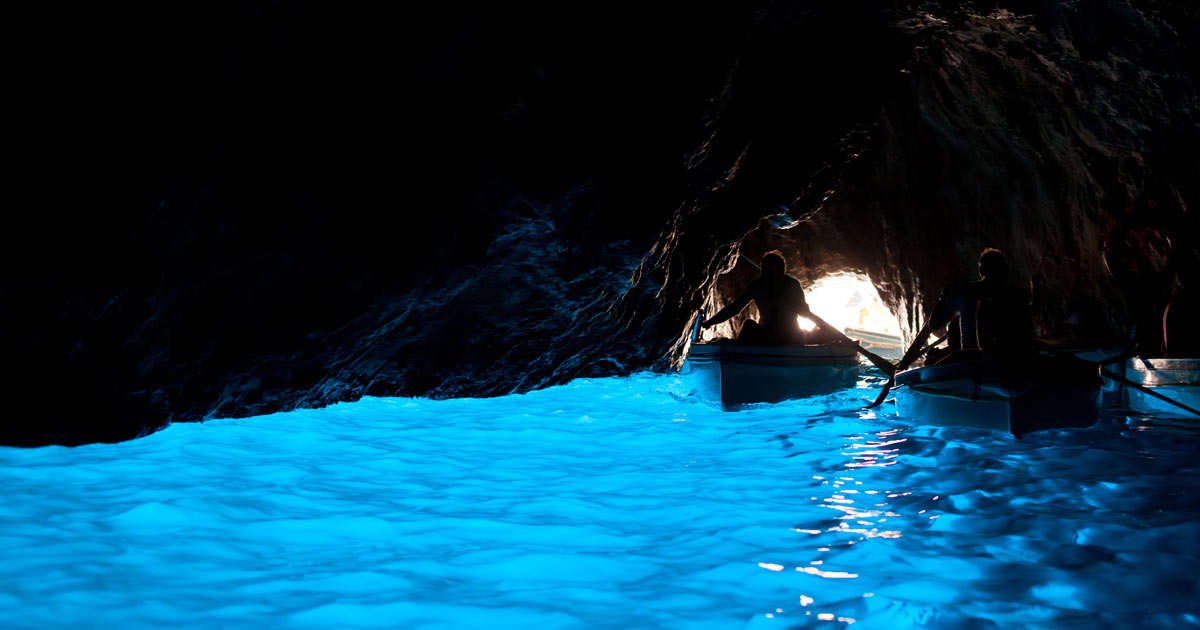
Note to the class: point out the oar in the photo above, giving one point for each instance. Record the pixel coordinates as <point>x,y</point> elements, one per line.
<point>696,326</point>
<point>887,387</point>
<point>929,346</point>
<point>880,362</point>
<point>1113,375</point>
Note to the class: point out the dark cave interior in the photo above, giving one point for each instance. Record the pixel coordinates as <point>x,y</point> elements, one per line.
<point>253,209</point>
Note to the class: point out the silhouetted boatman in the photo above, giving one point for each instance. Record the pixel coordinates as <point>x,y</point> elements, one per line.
<point>779,299</point>
<point>992,314</point>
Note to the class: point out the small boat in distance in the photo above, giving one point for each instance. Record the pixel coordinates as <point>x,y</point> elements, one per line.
<point>733,374</point>
<point>1046,393</point>
<point>884,344</point>
<point>1178,379</point>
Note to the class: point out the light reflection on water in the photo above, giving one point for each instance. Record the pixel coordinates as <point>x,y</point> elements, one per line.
<point>611,503</point>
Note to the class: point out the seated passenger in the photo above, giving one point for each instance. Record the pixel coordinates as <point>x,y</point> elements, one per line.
<point>1003,321</point>
<point>779,299</point>
<point>992,314</point>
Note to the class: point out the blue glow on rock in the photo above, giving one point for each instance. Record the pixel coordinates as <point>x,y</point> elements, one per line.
<point>612,503</point>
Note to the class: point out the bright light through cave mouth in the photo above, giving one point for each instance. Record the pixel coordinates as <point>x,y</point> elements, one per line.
<point>851,304</point>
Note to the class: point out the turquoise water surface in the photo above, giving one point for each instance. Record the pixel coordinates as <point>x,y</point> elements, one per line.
<point>610,503</point>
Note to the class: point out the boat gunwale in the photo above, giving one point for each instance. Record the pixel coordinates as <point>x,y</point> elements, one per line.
<point>726,351</point>
<point>1140,364</point>
<point>788,362</point>
<point>1184,372</point>
<point>987,375</point>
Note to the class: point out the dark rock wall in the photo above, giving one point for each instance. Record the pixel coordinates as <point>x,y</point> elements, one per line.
<point>242,208</point>
<point>257,207</point>
<point>1031,132</point>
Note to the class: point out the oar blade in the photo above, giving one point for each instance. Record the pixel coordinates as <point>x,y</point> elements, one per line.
<point>883,394</point>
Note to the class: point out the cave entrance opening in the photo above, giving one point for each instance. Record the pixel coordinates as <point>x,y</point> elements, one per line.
<point>850,303</point>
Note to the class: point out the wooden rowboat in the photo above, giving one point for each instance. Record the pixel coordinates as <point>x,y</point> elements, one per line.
<point>884,344</point>
<point>734,375</point>
<point>1178,379</point>
<point>1045,393</point>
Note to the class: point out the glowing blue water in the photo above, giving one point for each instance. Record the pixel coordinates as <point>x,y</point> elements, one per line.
<point>616,503</point>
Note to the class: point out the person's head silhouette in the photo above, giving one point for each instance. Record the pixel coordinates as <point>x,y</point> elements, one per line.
<point>993,265</point>
<point>773,263</point>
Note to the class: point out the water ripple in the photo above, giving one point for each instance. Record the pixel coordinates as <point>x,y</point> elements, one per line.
<point>610,503</point>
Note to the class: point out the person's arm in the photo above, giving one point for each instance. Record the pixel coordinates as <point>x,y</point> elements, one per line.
<point>733,309</point>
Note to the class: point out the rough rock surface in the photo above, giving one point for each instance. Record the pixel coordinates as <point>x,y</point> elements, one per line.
<point>282,208</point>
<point>1033,132</point>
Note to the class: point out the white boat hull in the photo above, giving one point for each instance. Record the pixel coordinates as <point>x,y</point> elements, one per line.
<point>1050,394</point>
<point>735,375</point>
<point>885,345</point>
<point>1177,379</point>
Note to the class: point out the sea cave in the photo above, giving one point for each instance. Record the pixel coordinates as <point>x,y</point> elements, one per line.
<point>402,317</point>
